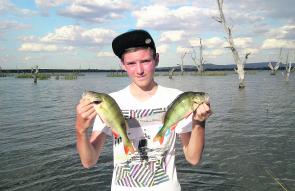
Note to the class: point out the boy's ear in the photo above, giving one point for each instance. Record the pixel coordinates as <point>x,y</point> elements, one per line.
<point>157,59</point>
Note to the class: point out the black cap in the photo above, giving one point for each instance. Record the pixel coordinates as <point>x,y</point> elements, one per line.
<point>132,39</point>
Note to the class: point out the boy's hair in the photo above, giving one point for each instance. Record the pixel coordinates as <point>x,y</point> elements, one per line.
<point>134,49</point>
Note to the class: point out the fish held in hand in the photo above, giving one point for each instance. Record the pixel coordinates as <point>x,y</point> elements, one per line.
<point>180,108</point>
<point>110,113</point>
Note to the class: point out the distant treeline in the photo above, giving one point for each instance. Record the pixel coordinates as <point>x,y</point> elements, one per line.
<point>207,67</point>
<point>166,69</point>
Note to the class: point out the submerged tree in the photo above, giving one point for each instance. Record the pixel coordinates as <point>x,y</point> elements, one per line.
<point>277,64</point>
<point>199,63</point>
<point>171,71</point>
<point>288,67</point>
<point>35,72</point>
<point>240,65</point>
<point>182,58</point>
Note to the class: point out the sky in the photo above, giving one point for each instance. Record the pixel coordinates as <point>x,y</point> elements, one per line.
<point>77,34</point>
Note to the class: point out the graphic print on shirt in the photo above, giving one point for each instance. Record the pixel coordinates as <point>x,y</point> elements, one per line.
<point>147,166</point>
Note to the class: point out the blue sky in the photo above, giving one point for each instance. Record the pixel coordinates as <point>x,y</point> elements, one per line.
<point>73,34</point>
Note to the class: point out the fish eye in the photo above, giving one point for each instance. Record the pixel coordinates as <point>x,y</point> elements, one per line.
<point>96,102</point>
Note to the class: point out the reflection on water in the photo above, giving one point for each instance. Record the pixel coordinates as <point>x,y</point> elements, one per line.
<point>249,140</point>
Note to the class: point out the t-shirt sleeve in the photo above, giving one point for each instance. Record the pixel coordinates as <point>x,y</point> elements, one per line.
<point>184,125</point>
<point>98,125</point>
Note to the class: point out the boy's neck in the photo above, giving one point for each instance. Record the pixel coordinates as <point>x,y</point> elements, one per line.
<point>143,94</point>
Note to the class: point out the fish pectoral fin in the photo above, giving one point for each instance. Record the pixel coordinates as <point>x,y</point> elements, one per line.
<point>101,118</point>
<point>187,115</point>
<point>174,126</point>
<point>116,135</point>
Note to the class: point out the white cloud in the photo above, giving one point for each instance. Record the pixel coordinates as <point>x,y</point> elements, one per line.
<point>97,11</point>
<point>73,34</point>
<point>68,38</point>
<point>214,42</point>
<point>251,50</point>
<point>45,4</point>
<point>243,42</point>
<point>8,25</point>
<point>278,43</point>
<point>182,50</point>
<point>37,47</point>
<point>161,17</point>
<point>105,54</point>
<point>214,53</point>
<point>171,36</point>
<point>6,7</point>
<point>162,48</point>
<point>69,48</point>
<point>286,32</point>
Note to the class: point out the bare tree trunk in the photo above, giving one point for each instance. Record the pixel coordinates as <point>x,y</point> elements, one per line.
<point>276,66</point>
<point>240,66</point>
<point>35,73</point>
<point>288,67</point>
<point>200,63</point>
<point>201,58</point>
<point>181,65</point>
<point>194,58</point>
<point>171,71</point>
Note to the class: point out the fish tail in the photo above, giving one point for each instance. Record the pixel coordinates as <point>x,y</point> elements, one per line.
<point>159,138</point>
<point>129,148</point>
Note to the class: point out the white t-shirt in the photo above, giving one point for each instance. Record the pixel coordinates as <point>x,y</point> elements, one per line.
<point>152,166</point>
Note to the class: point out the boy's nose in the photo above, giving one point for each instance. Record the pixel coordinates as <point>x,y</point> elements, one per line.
<point>139,68</point>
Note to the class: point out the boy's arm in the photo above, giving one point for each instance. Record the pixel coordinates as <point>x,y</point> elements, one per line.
<point>193,142</point>
<point>88,149</point>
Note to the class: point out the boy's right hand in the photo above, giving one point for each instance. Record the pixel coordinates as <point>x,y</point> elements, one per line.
<point>85,114</point>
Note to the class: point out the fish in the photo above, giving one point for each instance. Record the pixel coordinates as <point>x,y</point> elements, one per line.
<point>181,107</point>
<point>110,113</point>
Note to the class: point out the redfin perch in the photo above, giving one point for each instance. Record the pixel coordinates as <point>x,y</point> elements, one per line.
<point>179,109</point>
<point>111,114</point>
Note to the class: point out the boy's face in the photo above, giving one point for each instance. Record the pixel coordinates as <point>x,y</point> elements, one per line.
<point>140,66</point>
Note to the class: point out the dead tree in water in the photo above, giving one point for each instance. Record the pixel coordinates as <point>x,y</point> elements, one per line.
<point>182,58</point>
<point>240,65</point>
<point>273,69</point>
<point>35,73</point>
<point>288,67</point>
<point>171,71</point>
<point>201,62</point>
<point>276,66</point>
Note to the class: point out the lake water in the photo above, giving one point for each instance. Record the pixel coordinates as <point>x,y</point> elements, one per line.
<point>250,138</point>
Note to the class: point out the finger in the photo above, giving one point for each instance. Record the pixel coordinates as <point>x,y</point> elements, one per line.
<point>92,115</point>
<point>84,106</point>
<point>84,101</point>
<point>204,111</point>
<point>207,108</point>
<point>87,114</point>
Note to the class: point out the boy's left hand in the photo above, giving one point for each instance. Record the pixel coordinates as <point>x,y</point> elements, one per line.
<point>203,112</point>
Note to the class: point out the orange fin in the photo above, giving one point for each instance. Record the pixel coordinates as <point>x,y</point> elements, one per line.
<point>173,126</point>
<point>128,149</point>
<point>116,135</point>
<point>159,138</point>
